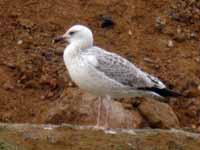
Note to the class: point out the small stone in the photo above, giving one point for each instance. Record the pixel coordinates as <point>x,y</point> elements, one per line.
<point>197,60</point>
<point>194,126</point>
<point>170,44</point>
<point>193,35</point>
<point>8,86</point>
<point>178,30</point>
<point>19,42</point>
<point>50,94</point>
<point>179,36</point>
<point>10,65</point>
<point>70,84</point>
<point>160,23</point>
<point>130,32</point>
<point>169,61</point>
<point>42,97</point>
<point>198,87</point>
<point>146,59</point>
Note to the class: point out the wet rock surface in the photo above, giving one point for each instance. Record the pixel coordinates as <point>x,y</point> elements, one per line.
<point>64,137</point>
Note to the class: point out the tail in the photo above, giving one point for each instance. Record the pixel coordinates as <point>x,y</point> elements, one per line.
<point>162,92</point>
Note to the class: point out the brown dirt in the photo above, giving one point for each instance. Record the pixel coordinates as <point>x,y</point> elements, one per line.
<point>32,73</point>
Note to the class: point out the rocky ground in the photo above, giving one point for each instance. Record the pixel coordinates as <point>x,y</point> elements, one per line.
<point>42,137</point>
<point>160,36</point>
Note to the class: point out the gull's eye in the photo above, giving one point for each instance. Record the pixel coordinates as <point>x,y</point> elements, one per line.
<point>71,33</point>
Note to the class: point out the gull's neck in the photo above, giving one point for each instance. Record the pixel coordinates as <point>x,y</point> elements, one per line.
<point>73,50</point>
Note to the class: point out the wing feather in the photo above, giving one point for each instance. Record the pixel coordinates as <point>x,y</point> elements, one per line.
<point>121,70</point>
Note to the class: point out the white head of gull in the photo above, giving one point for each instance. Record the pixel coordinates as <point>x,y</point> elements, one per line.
<point>106,74</point>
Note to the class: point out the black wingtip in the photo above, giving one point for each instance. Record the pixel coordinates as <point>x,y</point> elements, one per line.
<point>163,92</point>
<point>170,93</point>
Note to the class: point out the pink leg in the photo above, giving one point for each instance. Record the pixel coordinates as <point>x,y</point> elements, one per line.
<point>99,112</point>
<point>108,110</point>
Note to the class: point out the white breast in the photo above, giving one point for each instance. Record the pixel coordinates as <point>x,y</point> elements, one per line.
<point>83,72</point>
<point>88,79</point>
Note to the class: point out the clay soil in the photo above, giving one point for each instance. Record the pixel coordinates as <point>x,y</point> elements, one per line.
<point>161,36</point>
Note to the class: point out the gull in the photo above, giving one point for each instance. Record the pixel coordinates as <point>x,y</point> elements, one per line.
<point>106,74</point>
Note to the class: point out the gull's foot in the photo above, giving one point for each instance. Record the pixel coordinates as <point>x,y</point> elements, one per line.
<point>110,131</point>
<point>105,129</point>
<point>98,127</point>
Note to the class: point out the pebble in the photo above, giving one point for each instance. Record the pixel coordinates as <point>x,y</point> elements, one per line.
<point>50,94</point>
<point>170,44</point>
<point>146,59</point>
<point>178,30</point>
<point>8,86</point>
<point>198,87</point>
<point>42,97</point>
<point>193,126</point>
<point>193,35</point>
<point>197,60</point>
<point>19,42</point>
<point>160,23</point>
<point>130,32</point>
<point>70,84</point>
<point>10,65</point>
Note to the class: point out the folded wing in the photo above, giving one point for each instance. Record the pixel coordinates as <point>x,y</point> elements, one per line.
<point>121,70</point>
